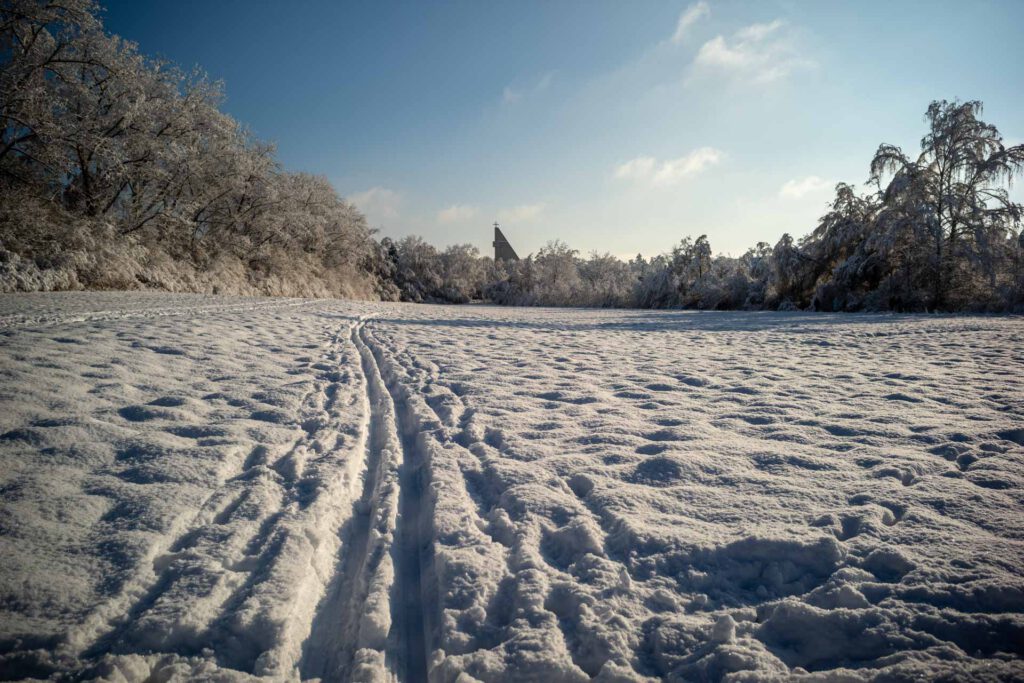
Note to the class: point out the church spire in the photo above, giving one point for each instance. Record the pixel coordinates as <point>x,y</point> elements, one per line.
<point>503,251</point>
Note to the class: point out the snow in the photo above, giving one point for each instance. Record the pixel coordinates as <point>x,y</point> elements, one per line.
<point>215,487</point>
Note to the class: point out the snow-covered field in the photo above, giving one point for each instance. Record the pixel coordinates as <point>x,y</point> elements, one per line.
<point>217,488</point>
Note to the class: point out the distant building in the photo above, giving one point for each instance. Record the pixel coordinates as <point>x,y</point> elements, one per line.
<point>503,251</point>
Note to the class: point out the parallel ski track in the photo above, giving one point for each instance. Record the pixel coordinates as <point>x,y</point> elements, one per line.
<point>409,632</point>
<point>329,652</point>
<point>392,482</point>
<point>103,630</point>
<point>392,472</point>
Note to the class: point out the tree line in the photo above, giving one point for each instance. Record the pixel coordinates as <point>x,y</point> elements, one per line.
<point>933,232</point>
<point>121,171</point>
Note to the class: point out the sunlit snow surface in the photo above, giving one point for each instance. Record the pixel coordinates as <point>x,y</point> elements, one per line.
<point>218,487</point>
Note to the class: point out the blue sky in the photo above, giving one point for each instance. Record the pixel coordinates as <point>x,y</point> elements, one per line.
<point>613,126</point>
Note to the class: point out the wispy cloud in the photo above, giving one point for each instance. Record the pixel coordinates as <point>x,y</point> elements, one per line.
<point>636,169</point>
<point>525,213</point>
<point>457,213</point>
<point>378,203</point>
<point>669,171</point>
<point>690,16</point>
<point>800,187</point>
<point>512,94</point>
<point>759,53</point>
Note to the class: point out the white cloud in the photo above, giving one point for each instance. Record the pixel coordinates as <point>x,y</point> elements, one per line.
<point>690,16</point>
<point>457,213</point>
<point>670,171</point>
<point>512,94</point>
<point>378,203</point>
<point>524,213</point>
<point>674,170</point>
<point>758,32</point>
<point>760,53</point>
<point>798,188</point>
<point>636,169</point>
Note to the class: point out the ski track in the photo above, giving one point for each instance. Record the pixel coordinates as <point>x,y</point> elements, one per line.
<point>409,632</point>
<point>371,622</point>
<point>292,488</point>
<point>210,487</point>
<point>328,652</point>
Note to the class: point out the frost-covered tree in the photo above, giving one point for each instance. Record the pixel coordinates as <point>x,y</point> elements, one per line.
<point>606,281</point>
<point>658,285</point>
<point>39,49</point>
<point>464,273</point>
<point>755,265</point>
<point>785,278</point>
<point>694,285</point>
<point>111,162</point>
<point>701,257</point>
<point>835,261</point>
<point>956,192</point>
<point>419,273</point>
<point>556,277</point>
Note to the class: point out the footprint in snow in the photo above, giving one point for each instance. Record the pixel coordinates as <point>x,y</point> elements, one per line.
<point>143,413</point>
<point>168,402</point>
<point>197,431</point>
<point>659,472</point>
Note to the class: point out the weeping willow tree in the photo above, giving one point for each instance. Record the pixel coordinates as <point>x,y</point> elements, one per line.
<point>955,195</point>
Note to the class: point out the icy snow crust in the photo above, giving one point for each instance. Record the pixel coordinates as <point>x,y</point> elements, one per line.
<point>225,488</point>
